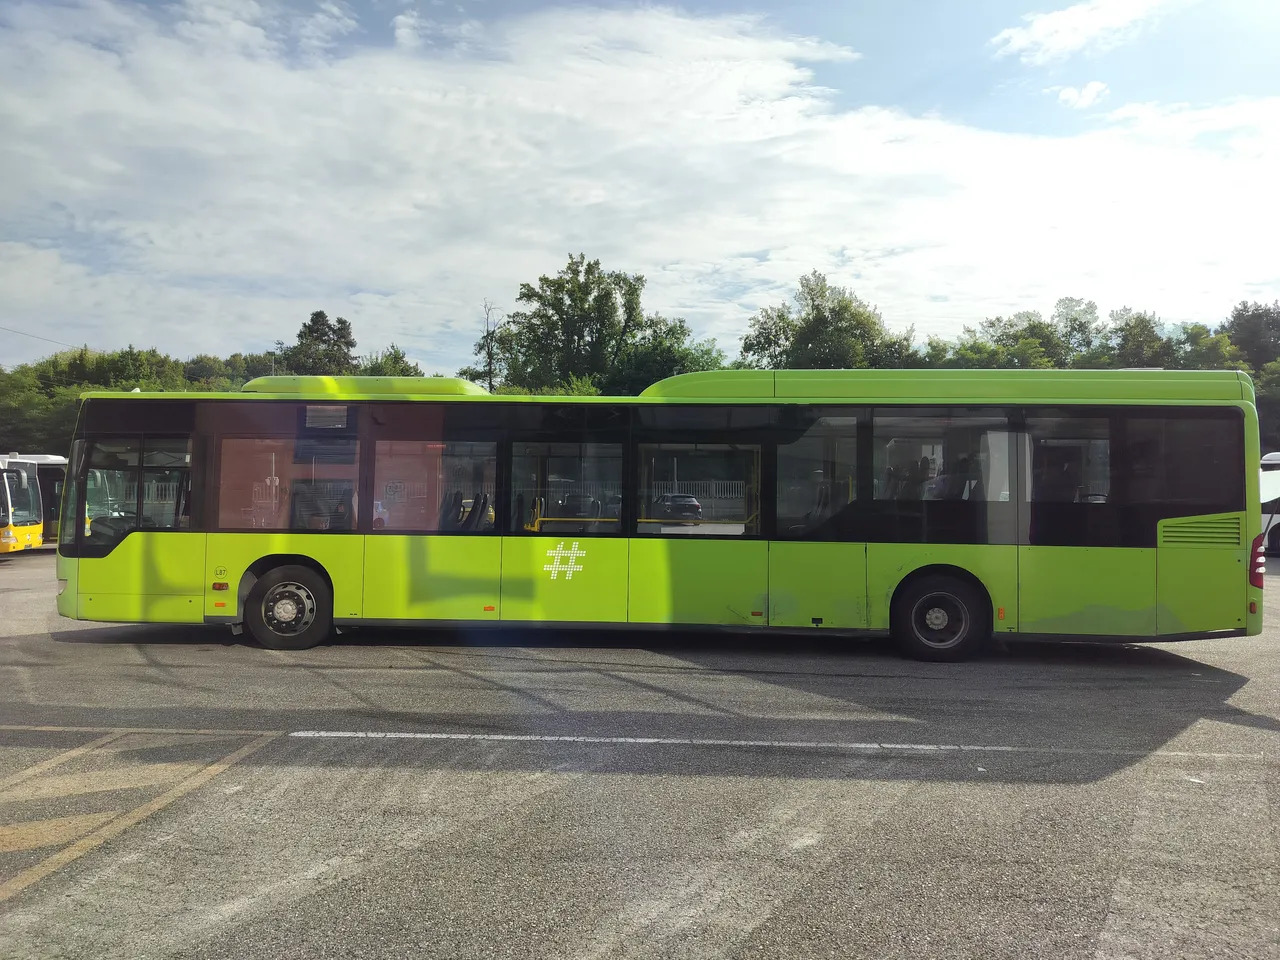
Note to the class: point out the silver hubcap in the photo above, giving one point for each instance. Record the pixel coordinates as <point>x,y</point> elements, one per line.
<point>940,620</point>
<point>288,609</point>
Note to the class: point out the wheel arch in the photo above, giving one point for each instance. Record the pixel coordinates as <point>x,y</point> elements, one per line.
<point>945,570</point>
<point>270,562</point>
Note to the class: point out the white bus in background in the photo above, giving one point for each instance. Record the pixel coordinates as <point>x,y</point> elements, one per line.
<point>1269,489</point>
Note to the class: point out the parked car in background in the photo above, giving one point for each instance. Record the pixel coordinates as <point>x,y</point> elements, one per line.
<point>677,506</point>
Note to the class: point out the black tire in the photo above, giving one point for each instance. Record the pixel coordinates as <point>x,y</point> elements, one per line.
<point>289,608</point>
<point>940,618</point>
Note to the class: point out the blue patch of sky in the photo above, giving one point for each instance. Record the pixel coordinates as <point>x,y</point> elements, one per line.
<point>935,56</point>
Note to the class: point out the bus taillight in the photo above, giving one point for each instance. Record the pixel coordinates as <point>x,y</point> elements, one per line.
<point>1257,563</point>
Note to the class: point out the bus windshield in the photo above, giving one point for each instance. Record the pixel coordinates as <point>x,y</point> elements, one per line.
<point>20,505</point>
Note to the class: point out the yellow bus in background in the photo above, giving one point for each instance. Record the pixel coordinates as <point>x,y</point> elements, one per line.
<point>30,498</point>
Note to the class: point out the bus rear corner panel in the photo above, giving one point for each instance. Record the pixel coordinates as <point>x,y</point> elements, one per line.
<point>68,569</point>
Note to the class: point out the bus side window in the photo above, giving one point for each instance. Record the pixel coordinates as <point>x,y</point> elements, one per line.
<point>287,484</point>
<point>817,477</point>
<point>434,486</point>
<point>1070,459</point>
<point>166,481</point>
<point>566,487</point>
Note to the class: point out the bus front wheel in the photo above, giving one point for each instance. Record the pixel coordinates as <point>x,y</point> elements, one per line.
<point>289,608</point>
<point>940,618</point>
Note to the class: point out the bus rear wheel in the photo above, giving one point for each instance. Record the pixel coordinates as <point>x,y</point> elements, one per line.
<point>940,618</point>
<point>289,608</point>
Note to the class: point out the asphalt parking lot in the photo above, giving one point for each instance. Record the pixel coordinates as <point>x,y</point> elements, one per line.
<point>175,792</point>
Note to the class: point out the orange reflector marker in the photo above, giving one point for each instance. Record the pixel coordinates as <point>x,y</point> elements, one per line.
<point>220,586</point>
<point>757,613</point>
<point>488,609</point>
<point>1253,606</point>
<point>1000,613</point>
<point>220,603</point>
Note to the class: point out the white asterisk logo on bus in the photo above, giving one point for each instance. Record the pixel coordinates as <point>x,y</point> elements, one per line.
<point>564,561</point>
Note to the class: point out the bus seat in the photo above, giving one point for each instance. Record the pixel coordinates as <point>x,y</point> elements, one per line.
<point>449,508</point>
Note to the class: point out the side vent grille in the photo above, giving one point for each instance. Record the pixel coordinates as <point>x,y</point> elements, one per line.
<point>1215,532</point>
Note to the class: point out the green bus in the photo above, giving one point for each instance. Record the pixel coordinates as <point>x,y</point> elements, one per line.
<point>937,506</point>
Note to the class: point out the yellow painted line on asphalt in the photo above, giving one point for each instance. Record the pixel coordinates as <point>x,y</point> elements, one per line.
<point>153,741</point>
<point>52,762</point>
<point>116,731</point>
<point>99,781</point>
<point>34,834</point>
<point>114,828</point>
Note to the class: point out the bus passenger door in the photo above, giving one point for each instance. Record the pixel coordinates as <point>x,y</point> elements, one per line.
<point>145,564</point>
<point>1085,566</point>
<point>697,557</point>
<point>564,559</point>
<point>433,553</point>
<point>816,577</point>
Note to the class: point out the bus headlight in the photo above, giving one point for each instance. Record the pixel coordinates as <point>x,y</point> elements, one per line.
<point>62,585</point>
<point>8,536</point>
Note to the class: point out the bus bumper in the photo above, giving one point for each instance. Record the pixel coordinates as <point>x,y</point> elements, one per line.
<point>16,539</point>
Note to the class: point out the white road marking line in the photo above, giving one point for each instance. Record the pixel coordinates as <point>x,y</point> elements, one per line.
<point>777,744</point>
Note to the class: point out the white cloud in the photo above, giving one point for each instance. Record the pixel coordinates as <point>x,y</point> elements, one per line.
<point>165,190</point>
<point>1094,25</point>
<point>1083,97</point>
<point>321,30</point>
<point>407,27</point>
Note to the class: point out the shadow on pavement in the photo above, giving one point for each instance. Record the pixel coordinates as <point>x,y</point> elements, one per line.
<point>1072,712</point>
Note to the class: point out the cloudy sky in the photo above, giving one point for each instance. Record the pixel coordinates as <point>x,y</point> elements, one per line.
<point>200,175</point>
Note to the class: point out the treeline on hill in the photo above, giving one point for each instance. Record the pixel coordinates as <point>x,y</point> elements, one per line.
<point>38,400</point>
<point>584,332</point>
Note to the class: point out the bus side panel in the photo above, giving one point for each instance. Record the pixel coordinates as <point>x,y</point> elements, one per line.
<point>1202,574</point>
<point>995,565</point>
<point>817,581</point>
<point>1103,591</point>
<point>229,555</point>
<point>567,579</point>
<point>699,581</point>
<point>148,578</point>
<point>432,577</point>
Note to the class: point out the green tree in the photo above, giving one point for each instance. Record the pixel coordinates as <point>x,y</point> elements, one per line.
<point>324,347</point>
<point>1267,386</point>
<point>662,347</point>
<point>1138,341</point>
<point>584,330</point>
<point>390,362</point>
<point>486,372</point>
<point>825,328</point>
<point>1254,328</point>
<point>576,387</point>
<point>937,353</point>
<point>1023,340</point>
<point>1077,325</point>
<point>243,367</point>
<point>1196,347</point>
<point>575,324</point>
<point>1268,381</point>
<point>205,372</point>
